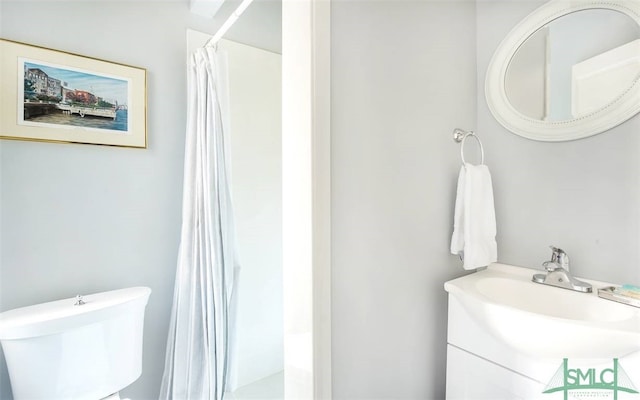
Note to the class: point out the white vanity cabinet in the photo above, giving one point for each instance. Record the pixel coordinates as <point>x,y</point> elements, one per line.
<point>474,371</point>
<point>473,377</point>
<point>475,364</point>
<point>509,338</point>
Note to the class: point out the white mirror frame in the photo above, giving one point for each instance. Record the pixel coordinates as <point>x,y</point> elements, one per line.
<point>621,109</point>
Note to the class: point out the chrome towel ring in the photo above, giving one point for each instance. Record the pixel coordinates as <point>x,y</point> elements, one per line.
<point>460,136</point>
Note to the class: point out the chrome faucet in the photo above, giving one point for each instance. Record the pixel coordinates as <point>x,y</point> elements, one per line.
<point>558,273</point>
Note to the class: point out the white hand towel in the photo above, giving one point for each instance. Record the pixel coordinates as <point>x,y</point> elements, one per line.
<point>474,224</point>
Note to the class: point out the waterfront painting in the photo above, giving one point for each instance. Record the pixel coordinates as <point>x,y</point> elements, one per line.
<point>62,96</point>
<point>55,96</point>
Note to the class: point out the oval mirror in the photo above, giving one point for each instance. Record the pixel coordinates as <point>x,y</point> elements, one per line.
<point>569,70</point>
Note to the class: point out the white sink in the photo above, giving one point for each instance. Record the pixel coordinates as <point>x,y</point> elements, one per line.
<point>546,321</point>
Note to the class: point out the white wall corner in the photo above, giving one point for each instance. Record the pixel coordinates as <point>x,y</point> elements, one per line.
<point>205,8</point>
<point>321,142</point>
<point>306,198</point>
<point>196,39</point>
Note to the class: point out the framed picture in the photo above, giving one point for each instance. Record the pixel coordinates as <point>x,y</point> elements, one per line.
<point>55,96</point>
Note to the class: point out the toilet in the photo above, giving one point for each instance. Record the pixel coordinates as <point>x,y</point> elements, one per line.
<point>80,348</point>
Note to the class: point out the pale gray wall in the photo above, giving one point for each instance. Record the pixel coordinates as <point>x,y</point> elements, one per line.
<point>83,218</point>
<point>403,77</point>
<point>403,74</point>
<point>582,195</point>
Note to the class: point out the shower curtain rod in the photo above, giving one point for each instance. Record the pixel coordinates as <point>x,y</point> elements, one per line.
<point>227,24</point>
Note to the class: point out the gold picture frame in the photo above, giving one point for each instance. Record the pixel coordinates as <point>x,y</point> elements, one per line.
<point>56,96</point>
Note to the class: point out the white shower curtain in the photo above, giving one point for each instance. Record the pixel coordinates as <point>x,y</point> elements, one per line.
<point>198,345</point>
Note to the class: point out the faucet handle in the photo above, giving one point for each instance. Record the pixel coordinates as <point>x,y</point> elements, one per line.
<point>559,258</point>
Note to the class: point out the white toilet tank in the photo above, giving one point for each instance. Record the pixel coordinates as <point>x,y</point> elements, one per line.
<point>59,350</point>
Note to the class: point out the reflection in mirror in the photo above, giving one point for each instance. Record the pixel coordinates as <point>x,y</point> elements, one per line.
<point>576,64</point>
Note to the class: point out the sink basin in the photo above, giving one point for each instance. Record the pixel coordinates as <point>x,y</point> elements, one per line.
<point>546,321</point>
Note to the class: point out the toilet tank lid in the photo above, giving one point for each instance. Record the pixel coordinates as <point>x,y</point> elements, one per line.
<point>61,315</point>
